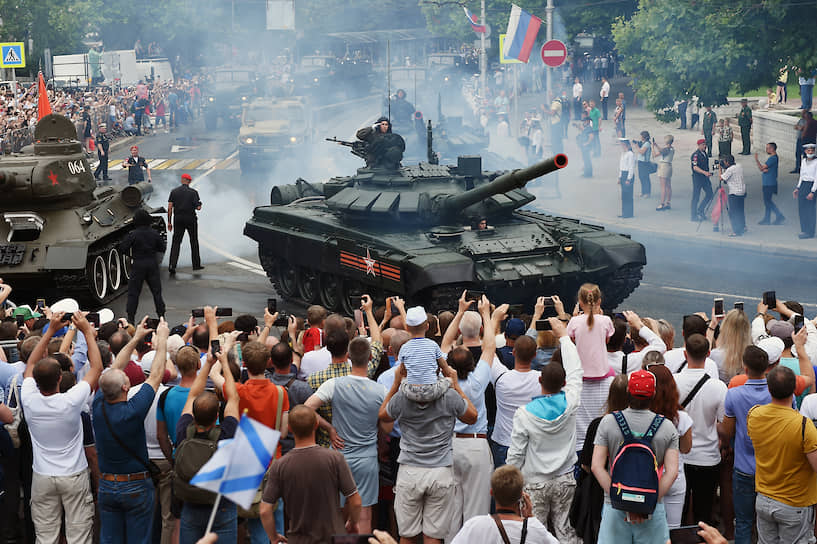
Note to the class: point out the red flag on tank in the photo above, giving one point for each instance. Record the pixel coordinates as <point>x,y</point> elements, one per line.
<point>43,105</point>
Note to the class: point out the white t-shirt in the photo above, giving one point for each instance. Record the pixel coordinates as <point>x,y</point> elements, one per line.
<point>684,424</point>
<point>314,361</point>
<point>154,451</point>
<point>809,407</point>
<point>55,425</point>
<point>706,409</point>
<point>483,529</point>
<point>513,389</point>
<point>674,358</point>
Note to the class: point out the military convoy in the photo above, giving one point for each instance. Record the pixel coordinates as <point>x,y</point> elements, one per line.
<point>224,96</point>
<point>60,233</point>
<point>273,128</point>
<point>413,231</point>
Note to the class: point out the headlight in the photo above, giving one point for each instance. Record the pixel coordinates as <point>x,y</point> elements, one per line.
<point>86,218</point>
<point>293,139</point>
<point>567,245</point>
<point>248,140</point>
<point>243,98</point>
<point>211,99</point>
<point>315,80</point>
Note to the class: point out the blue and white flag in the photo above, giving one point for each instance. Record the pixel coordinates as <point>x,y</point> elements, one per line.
<point>236,469</point>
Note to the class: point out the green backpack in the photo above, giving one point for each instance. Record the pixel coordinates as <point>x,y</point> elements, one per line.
<point>191,455</point>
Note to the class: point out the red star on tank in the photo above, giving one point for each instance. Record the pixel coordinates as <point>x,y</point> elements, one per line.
<point>53,177</point>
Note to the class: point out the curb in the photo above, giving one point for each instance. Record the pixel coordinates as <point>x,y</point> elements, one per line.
<point>720,240</point>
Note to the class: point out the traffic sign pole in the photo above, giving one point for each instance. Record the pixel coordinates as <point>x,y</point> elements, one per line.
<point>13,55</point>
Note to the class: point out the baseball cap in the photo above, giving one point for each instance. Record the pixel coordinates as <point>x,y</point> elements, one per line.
<point>134,373</point>
<point>773,347</point>
<point>416,316</point>
<point>105,316</point>
<point>780,329</point>
<point>187,177</point>
<point>641,384</point>
<point>701,141</point>
<point>514,328</point>
<point>26,312</point>
<point>65,305</point>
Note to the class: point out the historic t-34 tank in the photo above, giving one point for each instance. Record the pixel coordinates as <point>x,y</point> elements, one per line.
<point>416,232</point>
<point>58,233</point>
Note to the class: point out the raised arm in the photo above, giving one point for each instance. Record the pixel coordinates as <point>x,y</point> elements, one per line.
<point>157,368</point>
<point>94,357</point>
<point>400,304</point>
<point>198,384</point>
<point>230,391</point>
<point>124,354</point>
<point>269,321</point>
<point>374,328</point>
<point>806,370</point>
<point>453,330</point>
<point>41,349</point>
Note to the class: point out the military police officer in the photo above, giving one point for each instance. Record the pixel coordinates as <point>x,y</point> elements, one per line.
<point>103,144</point>
<point>700,181</point>
<point>710,119</point>
<point>745,122</point>
<point>145,247</point>
<point>184,201</point>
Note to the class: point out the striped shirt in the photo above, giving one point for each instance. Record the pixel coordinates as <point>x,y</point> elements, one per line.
<point>419,356</point>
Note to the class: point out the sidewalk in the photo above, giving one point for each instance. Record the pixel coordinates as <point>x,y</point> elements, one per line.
<point>598,200</point>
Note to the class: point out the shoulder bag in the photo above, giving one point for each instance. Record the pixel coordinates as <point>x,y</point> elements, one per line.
<point>152,468</point>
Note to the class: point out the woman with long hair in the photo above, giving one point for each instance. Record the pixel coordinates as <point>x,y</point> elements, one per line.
<point>665,403</point>
<point>735,335</point>
<point>665,154</point>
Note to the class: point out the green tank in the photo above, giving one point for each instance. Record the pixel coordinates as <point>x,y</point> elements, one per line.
<point>59,233</point>
<point>414,232</point>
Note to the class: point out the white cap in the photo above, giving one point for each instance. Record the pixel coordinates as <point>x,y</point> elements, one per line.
<point>147,361</point>
<point>66,305</point>
<point>105,316</point>
<point>773,346</point>
<point>416,316</point>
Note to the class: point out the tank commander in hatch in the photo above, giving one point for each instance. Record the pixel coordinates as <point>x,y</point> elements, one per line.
<point>384,149</point>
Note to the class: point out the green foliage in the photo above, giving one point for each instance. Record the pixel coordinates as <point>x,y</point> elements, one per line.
<point>706,48</point>
<point>596,18</point>
<point>447,19</point>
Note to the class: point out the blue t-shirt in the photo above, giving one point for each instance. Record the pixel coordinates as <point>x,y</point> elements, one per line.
<point>739,400</point>
<point>474,388</point>
<point>646,156</point>
<point>770,176</point>
<point>127,420</point>
<point>172,409</point>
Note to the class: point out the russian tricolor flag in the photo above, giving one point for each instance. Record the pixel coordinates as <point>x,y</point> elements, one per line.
<point>474,20</point>
<point>521,35</point>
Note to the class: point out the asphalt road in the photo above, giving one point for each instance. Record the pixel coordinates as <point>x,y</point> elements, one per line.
<point>682,276</point>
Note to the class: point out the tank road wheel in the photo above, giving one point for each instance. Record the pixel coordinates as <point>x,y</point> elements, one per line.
<point>350,289</point>
<point>331,291</point>
<point>114,269</point>
<point>287,280</point>
<point>127,266</point>
<point>308,285</point>
<point>98,278</point>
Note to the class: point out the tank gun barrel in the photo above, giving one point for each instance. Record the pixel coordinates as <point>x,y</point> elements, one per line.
<point>515,179</point>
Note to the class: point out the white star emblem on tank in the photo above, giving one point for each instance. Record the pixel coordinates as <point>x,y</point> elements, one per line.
<point>369,263</point>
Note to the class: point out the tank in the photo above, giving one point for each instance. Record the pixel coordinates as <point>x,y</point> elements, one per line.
<point>59,233</point>
<point>414,232</point>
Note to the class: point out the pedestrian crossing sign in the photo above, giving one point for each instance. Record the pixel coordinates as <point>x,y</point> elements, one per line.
<point>12,55</point>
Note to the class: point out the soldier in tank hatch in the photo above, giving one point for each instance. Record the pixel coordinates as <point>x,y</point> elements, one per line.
<point>384,149</point>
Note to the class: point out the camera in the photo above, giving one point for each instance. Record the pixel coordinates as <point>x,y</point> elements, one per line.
<point>516,309</point>
<point>282,321</point>
<point>93,319</point>
<point>474,295</point>
<point>151,323</point>
<point>543,325</point>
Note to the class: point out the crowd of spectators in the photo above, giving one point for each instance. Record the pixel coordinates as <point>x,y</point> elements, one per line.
<point>403,423</point>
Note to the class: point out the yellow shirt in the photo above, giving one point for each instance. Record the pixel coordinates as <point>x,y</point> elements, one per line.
<point>783,472</point>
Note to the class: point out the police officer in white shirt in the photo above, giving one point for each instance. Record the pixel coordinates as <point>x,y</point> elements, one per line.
<point>804,192</point>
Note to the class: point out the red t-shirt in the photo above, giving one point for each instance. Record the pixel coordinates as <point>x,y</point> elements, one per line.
<point>260,399</point>
<point>313,339</point>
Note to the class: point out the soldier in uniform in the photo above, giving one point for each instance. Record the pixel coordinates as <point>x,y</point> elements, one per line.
<point>103,144</point>
<point>745,123</point>
<point>700,181</point>
<point>384,149</point>
<point>135,164</point>
<point>184,201</point>
<point>708,126</point>
<point>144,245</point>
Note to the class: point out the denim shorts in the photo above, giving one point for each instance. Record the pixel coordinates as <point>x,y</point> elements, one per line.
<point>615,528</point>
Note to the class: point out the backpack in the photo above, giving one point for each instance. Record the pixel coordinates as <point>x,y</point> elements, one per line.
<point>634,471</point>
<point>191,455</point>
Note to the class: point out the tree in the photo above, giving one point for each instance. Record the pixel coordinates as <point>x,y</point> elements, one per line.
<point>677,50</point>
<point>447,19</point>
<point>593,16</point>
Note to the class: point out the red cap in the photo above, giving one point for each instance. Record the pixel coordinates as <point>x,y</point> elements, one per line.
<point>187,177</point>
<point>136,147</point>
<point>641,384</point>
<point>701,141</point>
<point>134,373</point>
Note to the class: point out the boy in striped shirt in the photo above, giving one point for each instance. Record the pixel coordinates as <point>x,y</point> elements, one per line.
<point>422,357</point>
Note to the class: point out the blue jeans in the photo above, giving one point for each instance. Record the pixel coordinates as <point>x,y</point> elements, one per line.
<point>126,508</point>
<point>193,522</point>
<point>499,452</point>
<point>743,494</point>
<point>258,535</point>
<point>805,96</point>
<point>615,528</point>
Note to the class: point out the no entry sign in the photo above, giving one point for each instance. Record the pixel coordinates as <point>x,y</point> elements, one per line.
<point>554,53</point>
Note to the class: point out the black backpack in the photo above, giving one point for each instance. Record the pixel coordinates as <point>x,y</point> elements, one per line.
<point>191,454</point>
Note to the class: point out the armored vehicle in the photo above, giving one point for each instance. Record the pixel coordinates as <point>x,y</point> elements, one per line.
<point>60,233</point>
<point>272,129</point>
<point>415,232</point>
<point>225,94</point>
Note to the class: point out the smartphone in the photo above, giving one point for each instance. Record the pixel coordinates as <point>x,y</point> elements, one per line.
<point>282,321</point>
<point>197,312</point>
<point>40,303</point>
<point>474,295</point>
<point>152,323</point>
<point>272,305</point>
<point>68,316</point>
<point>770,299</point>
<point>215,347</point>
<point>355,301</point>
<point>799,321</point>
<point>719,307</point>
<point>351,539</point>
<point>687,534</point>
<point>516,309</point>
<point>543,325</point>
<point>549,302</point>
<point>19,320</point>
<point>224,312</point>
<point>739,306</point>
<point>93,319</point>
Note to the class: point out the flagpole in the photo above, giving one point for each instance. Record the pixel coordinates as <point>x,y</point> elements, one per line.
<point>213,514</point>
<point>483,60</point>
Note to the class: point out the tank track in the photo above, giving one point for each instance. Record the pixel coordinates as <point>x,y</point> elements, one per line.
<point>617,287</point>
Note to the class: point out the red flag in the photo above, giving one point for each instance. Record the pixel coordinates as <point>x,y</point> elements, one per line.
<point>43,105</point>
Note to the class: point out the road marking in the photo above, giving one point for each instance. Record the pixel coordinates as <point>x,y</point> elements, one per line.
<point>212,168</point>
<point>168,163</point>
<point>181,164</point>
<point>153,163</point>
<point>115,162</point>
<point>209,244</point>
<point>247,268</point>
<point>710,293</point>
<point>227,164</point>
<point>209,164</point>
<point>195,163</point>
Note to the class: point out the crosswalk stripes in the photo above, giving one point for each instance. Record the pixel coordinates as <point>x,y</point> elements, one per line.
<point>181,164</point>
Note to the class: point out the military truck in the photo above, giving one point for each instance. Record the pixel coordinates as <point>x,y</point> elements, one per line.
<point>272,129</point>
<point>224,95</point>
